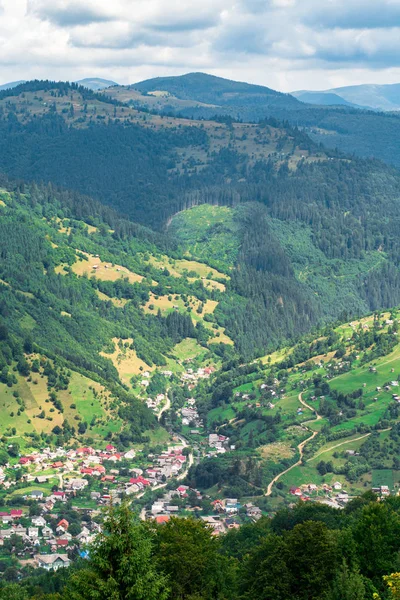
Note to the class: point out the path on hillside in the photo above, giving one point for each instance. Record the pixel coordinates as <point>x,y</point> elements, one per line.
<point>347,442</point>
<point>300,447</point>
<point>166,407</point>
<point>338,446</point>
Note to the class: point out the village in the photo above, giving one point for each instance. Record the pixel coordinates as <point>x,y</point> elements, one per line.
<point>60,495</point>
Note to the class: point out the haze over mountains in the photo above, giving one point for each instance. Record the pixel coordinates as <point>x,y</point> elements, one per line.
<point>377,97</point>
<point>92,83</point>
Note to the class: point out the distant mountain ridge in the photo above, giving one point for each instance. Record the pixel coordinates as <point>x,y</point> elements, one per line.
<point>92,83</point>
<point>378,97</point>
<point>96,83</point>
<point>210,89</point>
<point>324,99</point>
<point>11,84</point>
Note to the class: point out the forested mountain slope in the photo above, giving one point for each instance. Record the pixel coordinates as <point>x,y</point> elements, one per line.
<point>315,232</point>
<point>366,133</point>
<point>86,305</point>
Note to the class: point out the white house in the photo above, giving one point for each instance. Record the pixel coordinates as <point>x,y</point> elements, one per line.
<point>53,562</point>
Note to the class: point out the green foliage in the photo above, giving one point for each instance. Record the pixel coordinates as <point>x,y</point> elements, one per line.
<point>121,565</point>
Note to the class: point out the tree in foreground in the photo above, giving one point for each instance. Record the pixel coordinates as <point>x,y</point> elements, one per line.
<point>121,564</point>
<point>190,555</point>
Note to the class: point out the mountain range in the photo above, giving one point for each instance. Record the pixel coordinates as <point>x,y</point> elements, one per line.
<point>367,96</point>
<point>92,83</point>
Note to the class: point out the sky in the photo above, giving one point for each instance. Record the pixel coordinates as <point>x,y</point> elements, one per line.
<point>284,44</point>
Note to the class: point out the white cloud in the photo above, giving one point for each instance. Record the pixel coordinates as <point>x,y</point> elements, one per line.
<point>286,44</point>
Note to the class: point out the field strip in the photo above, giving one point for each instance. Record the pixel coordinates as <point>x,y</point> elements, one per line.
<point>338,446</point>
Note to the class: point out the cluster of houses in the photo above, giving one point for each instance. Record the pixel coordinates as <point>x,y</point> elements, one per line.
<point>45,531</point>
<point>226,511</point>
<point>190,415</point>
<point>191,377</point>
<point>155,403</point>
<point>220,443</point>
<point>66,459</point>
<point>333,495</point>
<point>75,468</point>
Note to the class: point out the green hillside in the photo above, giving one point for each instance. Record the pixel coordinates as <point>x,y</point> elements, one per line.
<point>322,412</point>
<point>365,132</point>
<point>87,304</point>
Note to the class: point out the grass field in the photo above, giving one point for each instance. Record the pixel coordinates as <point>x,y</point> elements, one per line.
<point>119,302</point>
<point>125,360</point>
<point>189,348</point>
<point>383,477</point>
<point>106,271</point>
<point>192,269</point>
<point>84,398</point>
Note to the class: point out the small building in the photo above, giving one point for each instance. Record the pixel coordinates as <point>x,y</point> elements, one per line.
<point>52,562</point>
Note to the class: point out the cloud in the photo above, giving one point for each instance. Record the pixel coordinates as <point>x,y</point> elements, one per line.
<point>283,43</point>
<point>68,13</point>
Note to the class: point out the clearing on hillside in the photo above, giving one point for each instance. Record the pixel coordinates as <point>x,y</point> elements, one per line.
<point>125,360</point>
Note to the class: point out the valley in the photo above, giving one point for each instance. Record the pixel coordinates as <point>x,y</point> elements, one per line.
<point>197,319</point>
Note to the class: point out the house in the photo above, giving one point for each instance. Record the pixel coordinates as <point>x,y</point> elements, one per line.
<point>16,513</point>
<point>337,485</point>
<point>295,491</point>
<point>6,518</point>
<point>161,519</point>
<point>78,484</point>
<point>33,532</point>
<point>140,481</point>
<point>231,505</point>
<point>58,496</point>
<point>19,530</point>
<point>216,525</point>
<point>47,532</point>
<point>157,507</point>
<point>130,454</point>
<point>62,543</point>
<point>52,562</point>
<point>86,471</point>
<point>36,494</point>
<point>108,478</point>
<point>182,489</point>
<point>132,489</point>
<point>64,524</point>
<point>5,534</point>
<point>110,448</point>
<point>41,479</point>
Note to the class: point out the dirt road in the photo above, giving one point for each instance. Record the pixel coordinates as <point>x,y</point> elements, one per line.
<point>300,447</point>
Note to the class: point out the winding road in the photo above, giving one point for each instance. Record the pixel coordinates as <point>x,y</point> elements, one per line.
<point>300,447</point>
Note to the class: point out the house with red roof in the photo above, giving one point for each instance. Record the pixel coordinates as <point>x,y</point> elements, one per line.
<point>63,523</point>
<point>57,465</point>
<point>87,471</point>
<point>110,448</point>
<point>24,460</point>
<point>109,478</point>
<point>161,519</point>
<point>141,481</point>
<point>82,451</point>
<point>62,543</point>
<point>59,495</point>
<point>16,513</point>
<point>99,469</point>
